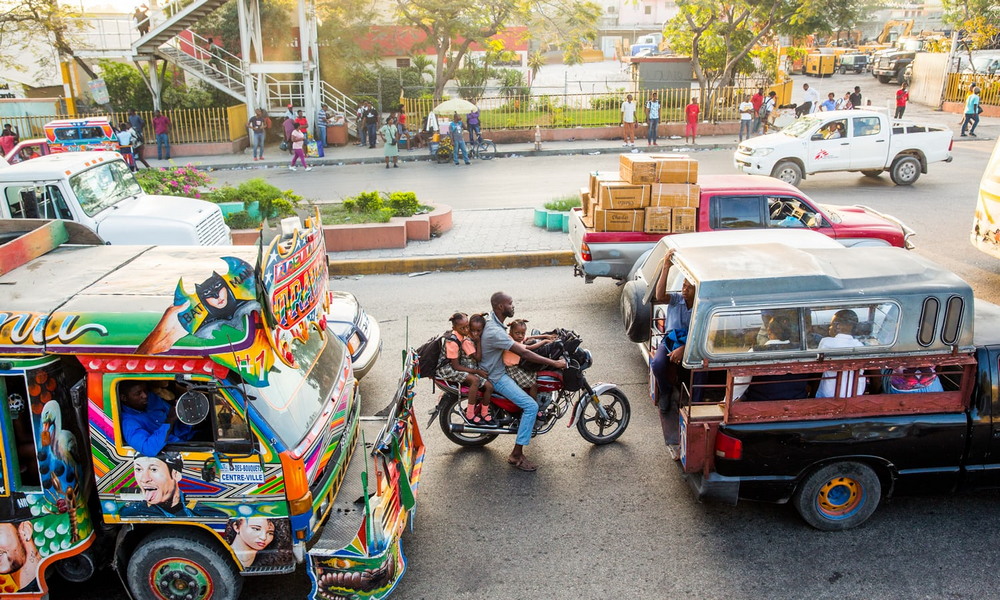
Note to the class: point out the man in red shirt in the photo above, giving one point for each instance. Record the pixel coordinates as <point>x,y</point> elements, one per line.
<point>757,100</point>
<point>691,112</point>
<point>901,98</point>
<point>161,127</point>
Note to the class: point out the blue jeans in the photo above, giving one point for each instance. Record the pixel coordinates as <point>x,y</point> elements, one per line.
<point>506,387</point>
<point>756,125</point>
<point>654,124</point>
<point>258,144</point>
<point>972,118</point>
<point>459,143</point>
<point>162,147</point>
<point>371,135</point>
<point>362,134</point>
<point>745,125</point>
<point>321,135</point>
<point>475,133</point>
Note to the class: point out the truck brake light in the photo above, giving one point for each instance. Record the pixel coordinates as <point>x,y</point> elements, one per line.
<point>728,447</point>
<point>585,252</point>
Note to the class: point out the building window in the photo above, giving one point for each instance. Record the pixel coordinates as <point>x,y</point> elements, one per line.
<point>611,10</point>
<point>402,63</point>
<point>649,10</point>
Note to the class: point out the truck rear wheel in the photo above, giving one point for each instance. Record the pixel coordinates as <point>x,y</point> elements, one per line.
<point>883,79</point>
<point>838,496</point>
<point>788,171</point>
<point>905,171</point>
<point>174,564</point>
<point>635,313</point>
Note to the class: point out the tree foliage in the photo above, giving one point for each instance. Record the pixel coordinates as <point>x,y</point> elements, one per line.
<point>40,22</point>
<point>453,26</point>
<point>127,90</point>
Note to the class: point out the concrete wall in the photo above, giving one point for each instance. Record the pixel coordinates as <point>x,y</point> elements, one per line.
<point>927,83</point>
<point>180,150</point>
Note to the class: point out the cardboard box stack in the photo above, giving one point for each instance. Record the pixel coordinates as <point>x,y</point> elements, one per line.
<point>654,193</point>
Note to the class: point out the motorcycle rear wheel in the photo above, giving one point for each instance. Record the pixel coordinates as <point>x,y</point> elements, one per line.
<point>599,431</point>
<point>453,411</point>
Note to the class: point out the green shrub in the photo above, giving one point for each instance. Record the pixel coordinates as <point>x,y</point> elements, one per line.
<point>563,204</point>
<point>382,215</point>
<point>368,202</point>
<point>403,204</point>
<point>173,181</point>
<point>350,204</point>
<point>242,220</point>
<point>612,102</point>
<point>226,193</point>
<point>544,104</point>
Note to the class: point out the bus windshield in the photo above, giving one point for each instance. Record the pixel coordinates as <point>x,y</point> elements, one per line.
<point>103,186</point>
<point>295,396</point>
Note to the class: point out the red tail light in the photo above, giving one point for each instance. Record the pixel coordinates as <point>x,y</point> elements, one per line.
<point>585,252</point>
<point>728,447</point>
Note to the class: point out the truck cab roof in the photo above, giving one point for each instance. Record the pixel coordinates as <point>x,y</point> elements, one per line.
<point>45,167</point>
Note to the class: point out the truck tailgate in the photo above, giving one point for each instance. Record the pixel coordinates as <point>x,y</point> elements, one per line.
<point>358,551</point>
<point>606,253</point>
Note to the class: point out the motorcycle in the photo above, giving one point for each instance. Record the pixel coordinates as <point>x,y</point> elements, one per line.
<point>601,412</point>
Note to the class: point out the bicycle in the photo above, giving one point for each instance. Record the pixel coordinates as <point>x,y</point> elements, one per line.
<point>483,149</point>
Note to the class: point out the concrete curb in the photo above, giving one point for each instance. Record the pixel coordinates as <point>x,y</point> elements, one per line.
<point>424,157</point>
<point>458,262</point>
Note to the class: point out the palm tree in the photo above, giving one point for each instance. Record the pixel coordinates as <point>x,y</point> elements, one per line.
<point>535,62</point>
<point>422,65</point>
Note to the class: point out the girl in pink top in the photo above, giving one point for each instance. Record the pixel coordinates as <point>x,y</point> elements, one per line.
<point>298,149</point>
<point>461,366</point>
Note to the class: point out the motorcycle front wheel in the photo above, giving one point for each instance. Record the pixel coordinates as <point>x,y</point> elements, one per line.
<point>600,430</point>
<point>453,412</point>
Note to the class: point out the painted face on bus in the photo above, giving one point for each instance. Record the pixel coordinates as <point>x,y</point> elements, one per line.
<point>13,554</point>
<point>256,532</point>
<point>157,480</point>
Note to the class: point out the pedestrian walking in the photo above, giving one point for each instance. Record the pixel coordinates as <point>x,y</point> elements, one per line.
<point>137,143</point>
<point>902,96</point>
<point>767,109</point>
<point>298,138</point>
<point>258,127</point>
<point>691,112</point>
<point>652,119</point>
<point>141,16</point>
<point>856,97</point>
<point>457,140</point>
<point>390,134</point>
<point>125,136</point>
<point>972,110</point>
<point>371,123</point>
<point>161,129</point>
<point>628,121</point>
<point>757,100</point>
<point>746,117</point>
<point>322,117</point>
<point>214,54</point>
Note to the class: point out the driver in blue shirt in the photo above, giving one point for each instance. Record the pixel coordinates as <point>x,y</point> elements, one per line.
<point>148,421</point>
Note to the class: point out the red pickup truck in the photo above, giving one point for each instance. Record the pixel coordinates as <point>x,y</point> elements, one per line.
<point>738,202</point>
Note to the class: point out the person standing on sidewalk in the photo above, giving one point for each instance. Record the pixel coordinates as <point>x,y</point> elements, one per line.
<point>691,112</point>
<point>495,341</point>
<point>767,108</point>
<point>457,140</point>
<point>628,121</point>
<point>371,122</point>
<point>972,110</point>
<point>856,98</point>
<point>652,120</point>
<point>390,134</point>
<point>321,121</point>
<point>298,138</point>
<point>258,126</point>
<point>359,119</point>
<point>161,128</point>
<point>288,125</point>
<point>475,130</point>
<point>757,100</point>
<point>902,96</point>
<point>746,117</point>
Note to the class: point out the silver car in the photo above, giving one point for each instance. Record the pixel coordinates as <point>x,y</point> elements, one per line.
<point>360,332</point>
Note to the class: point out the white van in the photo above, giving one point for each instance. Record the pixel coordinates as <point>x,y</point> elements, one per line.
<point>97,189</point>
<point>986,224</point>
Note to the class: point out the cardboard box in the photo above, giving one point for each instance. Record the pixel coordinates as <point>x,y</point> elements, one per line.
<point>585,200</point>
<point>684,220</point>
<point>618,220</point>
<point>598,176</point>
<point>674,194</point>
<point>636,168</point>
<point>588,220</point>
<point>658,219</point>
<point>618,195</point>
<point>674,168</point>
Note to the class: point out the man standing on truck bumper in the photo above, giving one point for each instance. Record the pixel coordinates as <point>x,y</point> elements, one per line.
<point>666,364</point>
<point>495,340</point>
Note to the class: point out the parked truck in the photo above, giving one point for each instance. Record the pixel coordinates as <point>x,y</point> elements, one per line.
<point>890,66</point>
<point>846,140</point>
<point>98,191</point>
<point>831,379</point>
<point>183,416</point>
<point>729,202</point>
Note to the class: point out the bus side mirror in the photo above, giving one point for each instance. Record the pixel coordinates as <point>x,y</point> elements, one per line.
<point>192,408</point>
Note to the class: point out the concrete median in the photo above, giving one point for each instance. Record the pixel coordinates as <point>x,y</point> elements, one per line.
<point>461,262</point>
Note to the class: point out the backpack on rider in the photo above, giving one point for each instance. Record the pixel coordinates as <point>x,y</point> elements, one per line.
<point>430,354</point>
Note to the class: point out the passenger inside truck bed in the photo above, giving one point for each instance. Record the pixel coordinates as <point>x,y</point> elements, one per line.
<point>841,336</point>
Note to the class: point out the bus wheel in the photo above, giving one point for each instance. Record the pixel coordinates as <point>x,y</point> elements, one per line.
<point>182,565</point>
<point>838,496</point>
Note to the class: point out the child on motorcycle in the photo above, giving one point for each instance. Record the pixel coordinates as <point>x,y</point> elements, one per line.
<point>523,377</point>
<point>461,366</point>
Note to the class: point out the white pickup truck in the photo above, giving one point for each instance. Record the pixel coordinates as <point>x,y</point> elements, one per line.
<point>846,140</point>
<point>97,190</point>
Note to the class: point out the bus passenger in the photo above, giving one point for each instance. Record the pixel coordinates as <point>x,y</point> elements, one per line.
<point>841,336</point>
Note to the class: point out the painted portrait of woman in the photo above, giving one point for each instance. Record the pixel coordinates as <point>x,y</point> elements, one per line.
<point>260,542</point>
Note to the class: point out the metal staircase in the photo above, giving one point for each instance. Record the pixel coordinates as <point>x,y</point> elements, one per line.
<point>176,15</point>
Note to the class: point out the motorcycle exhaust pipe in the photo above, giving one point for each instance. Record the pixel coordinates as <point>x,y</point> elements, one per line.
<point>486,430</point>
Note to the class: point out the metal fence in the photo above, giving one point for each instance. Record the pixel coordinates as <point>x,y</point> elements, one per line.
<point>552,111</point>
<point>187,126</point>
<point>960,84</point>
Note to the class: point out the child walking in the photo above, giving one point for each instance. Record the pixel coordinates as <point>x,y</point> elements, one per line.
<point>298,148</point>
<point>462,367</point>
